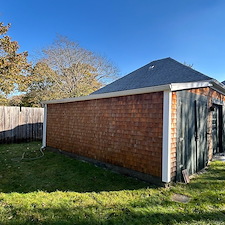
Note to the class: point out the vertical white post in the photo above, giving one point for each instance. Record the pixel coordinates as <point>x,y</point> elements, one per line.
<point>44,126</point>
<point>166,148</point>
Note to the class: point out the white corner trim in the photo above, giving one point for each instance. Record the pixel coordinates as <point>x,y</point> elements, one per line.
<point>166,148</point>
<point>44,127</point>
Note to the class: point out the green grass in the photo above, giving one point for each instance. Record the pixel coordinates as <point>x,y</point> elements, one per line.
<point>60,190</point>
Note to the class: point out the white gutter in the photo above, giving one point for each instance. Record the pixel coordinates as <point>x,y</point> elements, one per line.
<point>172,87</point>
<point>111,94</point>
<point>190,85</point>
<point>217,86</point>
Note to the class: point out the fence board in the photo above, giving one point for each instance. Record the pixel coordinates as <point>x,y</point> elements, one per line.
<point>20,124</point>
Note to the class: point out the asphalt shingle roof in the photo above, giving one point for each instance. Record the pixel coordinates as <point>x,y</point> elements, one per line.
<point>159,72</point>
<point>223,82</point>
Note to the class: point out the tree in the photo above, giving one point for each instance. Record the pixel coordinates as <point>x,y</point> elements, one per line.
<point>14,67</point>
<point>67,70</point>
<point>3,99</point>
<point>15,100</point>
<point>189,65</point>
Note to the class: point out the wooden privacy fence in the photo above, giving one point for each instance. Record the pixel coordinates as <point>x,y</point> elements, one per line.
<point>19,124</point>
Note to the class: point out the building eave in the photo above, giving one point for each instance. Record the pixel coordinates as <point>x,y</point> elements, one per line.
<point>168,87</point>
<point>217,86</point>
<point>111,94</point>
<point>190,85</point>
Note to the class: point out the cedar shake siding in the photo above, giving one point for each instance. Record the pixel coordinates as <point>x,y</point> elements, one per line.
<point>173,135</point>
<point>124,131</point>
<point>152,124</point>
<point>213,97</point>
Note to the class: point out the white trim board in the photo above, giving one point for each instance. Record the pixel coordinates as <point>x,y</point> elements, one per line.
<point>166,146</point>
<point>111,94</point>
<point>171,87</point>
<point>191,85</point>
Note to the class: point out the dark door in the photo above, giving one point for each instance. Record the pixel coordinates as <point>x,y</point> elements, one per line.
<point>185,137</point>
<point>217,128</point>
<point>191,133</point>
<point>201,114</point>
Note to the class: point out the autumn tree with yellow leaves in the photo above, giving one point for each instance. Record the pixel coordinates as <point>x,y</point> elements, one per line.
<point>66,70</point>
<point>62,70</point>
<point>14,68</point>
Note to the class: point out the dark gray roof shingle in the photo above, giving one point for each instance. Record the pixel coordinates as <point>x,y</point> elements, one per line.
<point>159,72</point>
<point>223,82</point>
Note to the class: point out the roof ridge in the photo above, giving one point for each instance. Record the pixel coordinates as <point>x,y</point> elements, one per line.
<point>162,59</point>
<point>158,72</point>
<point>189,67</point>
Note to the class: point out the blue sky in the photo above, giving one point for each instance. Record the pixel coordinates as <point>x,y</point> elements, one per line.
<point>131,33</point>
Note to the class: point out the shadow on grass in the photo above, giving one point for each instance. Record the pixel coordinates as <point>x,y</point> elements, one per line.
<point>124,215</point>
<point>58,172</point>
<point>55,172</point>
<point>128,217</point>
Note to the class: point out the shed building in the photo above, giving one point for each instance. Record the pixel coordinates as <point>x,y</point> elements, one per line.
<point>152,124</point>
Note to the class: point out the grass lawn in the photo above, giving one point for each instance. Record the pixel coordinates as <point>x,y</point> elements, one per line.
<point>60,190</point>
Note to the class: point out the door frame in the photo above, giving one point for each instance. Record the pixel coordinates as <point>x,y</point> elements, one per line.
<point>219,107</point>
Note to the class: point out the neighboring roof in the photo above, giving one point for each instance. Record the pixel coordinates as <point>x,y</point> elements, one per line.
<point>223,82</point>
<point>159,72</point>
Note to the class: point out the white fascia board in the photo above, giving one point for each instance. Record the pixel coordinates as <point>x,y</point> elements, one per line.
<point>44,127</point>
<point>190,85</point>
<point>217,86</point>
<point>166,145</point>
<point>172,87</point>
<point>111,94</point>
<point>214,84</point>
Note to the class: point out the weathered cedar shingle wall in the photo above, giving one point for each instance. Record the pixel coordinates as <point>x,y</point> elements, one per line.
<point>173,134</point>
<point>124,131</point>
<point>211,94</point>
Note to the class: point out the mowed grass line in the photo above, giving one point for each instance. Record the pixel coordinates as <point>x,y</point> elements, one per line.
<point>57,189</point>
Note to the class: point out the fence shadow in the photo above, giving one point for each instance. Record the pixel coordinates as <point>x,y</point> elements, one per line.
<point>22,133</point>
